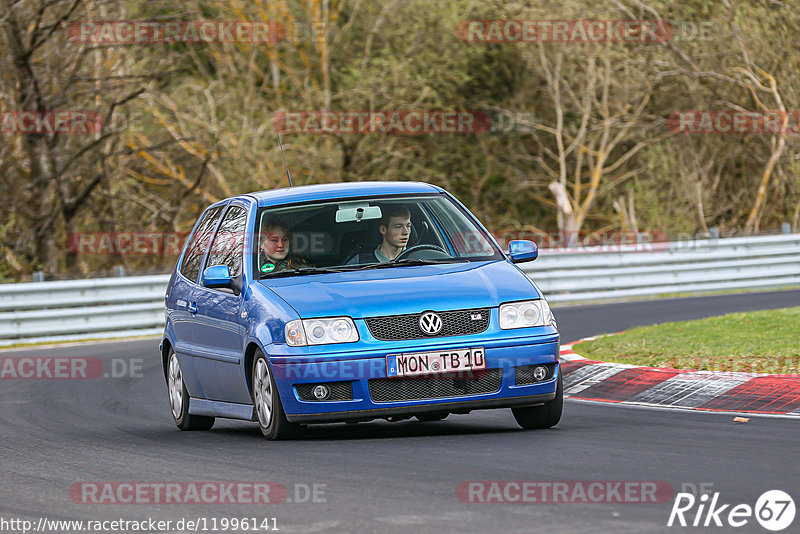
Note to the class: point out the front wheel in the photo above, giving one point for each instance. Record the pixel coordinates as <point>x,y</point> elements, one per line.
<point>543,416</point>
<point>269,410</point>
<point>179,399</point>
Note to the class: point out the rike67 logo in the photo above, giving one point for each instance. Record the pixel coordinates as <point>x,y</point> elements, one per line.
<point>774,510</point>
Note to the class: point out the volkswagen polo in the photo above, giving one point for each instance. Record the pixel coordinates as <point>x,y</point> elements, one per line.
<point>352,302</point>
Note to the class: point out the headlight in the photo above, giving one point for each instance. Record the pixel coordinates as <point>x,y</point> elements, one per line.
<point>524,314</point>
<point>301,332</point>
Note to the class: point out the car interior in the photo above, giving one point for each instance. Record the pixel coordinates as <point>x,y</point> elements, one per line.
<point>322,242</point>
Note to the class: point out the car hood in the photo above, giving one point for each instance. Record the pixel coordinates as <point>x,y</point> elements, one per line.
<point>402,290</point>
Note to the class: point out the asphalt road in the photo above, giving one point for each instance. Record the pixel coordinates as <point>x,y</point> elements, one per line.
<point>387,477</point>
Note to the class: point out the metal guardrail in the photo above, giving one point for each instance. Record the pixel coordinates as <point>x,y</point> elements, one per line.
<point>676,267</point>
<point>82,309</point>
<point>124,307</point>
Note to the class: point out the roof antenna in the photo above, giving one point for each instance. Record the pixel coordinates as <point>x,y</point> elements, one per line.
<point>289,176</point>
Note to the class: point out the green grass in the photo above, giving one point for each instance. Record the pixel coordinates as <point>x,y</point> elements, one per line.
<point>712,293</point>
<point>765,341</point>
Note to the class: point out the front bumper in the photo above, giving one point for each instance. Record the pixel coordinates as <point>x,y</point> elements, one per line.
<point>399,411</point>
<point>502,355</point>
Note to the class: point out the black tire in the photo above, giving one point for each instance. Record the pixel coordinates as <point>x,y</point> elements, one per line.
<point>433,416</point>
<point>270,416</point>
<point>179,399</point>
<point>543,416</point>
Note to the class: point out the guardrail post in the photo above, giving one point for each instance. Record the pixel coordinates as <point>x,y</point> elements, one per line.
<point>714,231</point>
<point>38,276</point>
<point>119,270</point>
<point>786,228</point>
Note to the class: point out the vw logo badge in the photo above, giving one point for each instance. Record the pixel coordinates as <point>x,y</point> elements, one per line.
<point>430,323</point>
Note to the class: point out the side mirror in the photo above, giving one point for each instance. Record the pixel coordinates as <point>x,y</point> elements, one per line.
<point>522,250</point>
<point>217,276</point>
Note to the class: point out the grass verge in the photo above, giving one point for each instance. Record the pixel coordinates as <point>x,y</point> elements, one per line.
<point>765,341</point>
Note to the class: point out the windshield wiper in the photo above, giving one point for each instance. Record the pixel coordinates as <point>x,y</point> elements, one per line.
<point>304,270</point>
<point>406,262</point>
<point>344,268</point>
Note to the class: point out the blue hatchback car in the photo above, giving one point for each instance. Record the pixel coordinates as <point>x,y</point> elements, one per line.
<point>352,302</point>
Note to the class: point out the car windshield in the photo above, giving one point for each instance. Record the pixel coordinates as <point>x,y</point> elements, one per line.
<point>367,233</point>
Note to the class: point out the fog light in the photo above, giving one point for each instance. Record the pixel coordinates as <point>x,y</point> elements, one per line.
<point>321,392</point>
<point>539,373</point>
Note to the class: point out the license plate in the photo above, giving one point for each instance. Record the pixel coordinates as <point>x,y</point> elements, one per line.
<point>427,363</point>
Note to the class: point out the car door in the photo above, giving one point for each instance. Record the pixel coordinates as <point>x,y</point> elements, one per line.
<point>181,295</point>
<point>219,331</point>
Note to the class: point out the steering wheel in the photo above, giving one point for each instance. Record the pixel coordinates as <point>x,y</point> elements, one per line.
<point>407,252</point>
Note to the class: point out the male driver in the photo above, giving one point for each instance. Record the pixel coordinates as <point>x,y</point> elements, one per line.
<point>395,227</point>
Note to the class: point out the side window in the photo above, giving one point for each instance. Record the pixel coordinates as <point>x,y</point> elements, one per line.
<point>190,267</point>
<point>228,245</point>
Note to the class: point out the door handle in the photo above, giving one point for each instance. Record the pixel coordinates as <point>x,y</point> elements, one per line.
<point>192,308</point>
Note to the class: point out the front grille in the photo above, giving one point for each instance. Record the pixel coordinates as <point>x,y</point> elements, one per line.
<point>339,391</point>
<point>454,323</point>
<point>397,389</point>
<point>525,374</point>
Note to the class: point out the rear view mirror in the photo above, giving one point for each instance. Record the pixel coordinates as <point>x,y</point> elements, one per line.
<point>357,211</point>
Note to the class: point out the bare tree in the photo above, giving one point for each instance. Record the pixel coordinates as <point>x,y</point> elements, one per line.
<point>595,148</point>
<point>53,174</point>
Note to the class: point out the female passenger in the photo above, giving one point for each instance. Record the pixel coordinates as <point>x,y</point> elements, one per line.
<point>276,242</point>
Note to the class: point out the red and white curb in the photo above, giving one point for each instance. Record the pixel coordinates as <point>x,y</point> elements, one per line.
<point>755,393</point>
